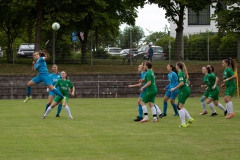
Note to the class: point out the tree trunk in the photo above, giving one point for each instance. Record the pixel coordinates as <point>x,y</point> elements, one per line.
<point>179,33</point>
<point>39,6</point>
<point>83,47</point>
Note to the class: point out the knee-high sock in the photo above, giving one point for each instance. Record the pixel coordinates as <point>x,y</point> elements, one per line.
<point>212,107</point>
<point>67,109</point>
<point>186,113</point>
<point>175,108</point>
<point>57,92</point>
<point>165,107</point>
<point>157,109</point>
<point>48,110</point>
<point>154,112</point>
<point>47,105</point>
<point>29,89</point>
<point>145,112</point>
<point>226,104</point>
<point>230,107</point>
<point>59,109</point>
<point>182,116</point>
<point>221,107</point>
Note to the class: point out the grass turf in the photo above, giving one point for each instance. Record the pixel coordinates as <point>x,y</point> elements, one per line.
<point>103,129</point>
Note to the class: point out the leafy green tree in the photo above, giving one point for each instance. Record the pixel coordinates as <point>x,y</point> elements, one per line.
<point>131,36</point>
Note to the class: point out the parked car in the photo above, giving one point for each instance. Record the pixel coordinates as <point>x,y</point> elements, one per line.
<point>158,53</point>
<point>1,53</point>
<point>113,51</point>
<point>25,50</point>
<point>124,52</point>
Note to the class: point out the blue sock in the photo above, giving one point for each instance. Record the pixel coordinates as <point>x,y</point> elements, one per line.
<point>165,108</point>
<point>47,105</point>
<point>175,108</point>
<point>57,92</point>
<point>140,111</point>
<point>59,109</point>
<point>29,90</point>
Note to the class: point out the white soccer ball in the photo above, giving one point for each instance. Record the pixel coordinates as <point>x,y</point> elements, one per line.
<point>55,26</point>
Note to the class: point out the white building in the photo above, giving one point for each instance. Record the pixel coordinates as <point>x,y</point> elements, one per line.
<point>194,23</point>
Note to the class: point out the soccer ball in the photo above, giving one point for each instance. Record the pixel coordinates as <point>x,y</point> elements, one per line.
<point>55,26</point>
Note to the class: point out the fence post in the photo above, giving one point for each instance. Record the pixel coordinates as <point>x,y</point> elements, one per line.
<point>98,86</point>
<point>208,47</point>
<point>238,50</point>
<point>11,83</point>
<point>169,47</point>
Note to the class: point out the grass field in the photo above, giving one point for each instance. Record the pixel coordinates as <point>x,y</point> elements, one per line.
<point>103,129</point>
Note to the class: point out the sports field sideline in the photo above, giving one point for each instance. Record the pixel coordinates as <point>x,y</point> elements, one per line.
<point>103,129</point>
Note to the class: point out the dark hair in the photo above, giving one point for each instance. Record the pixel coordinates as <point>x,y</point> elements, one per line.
<point>212,68</point>
<point>148,64</point>
<point>173,68</point>
<point>209,69</point>
<point>230,62</point>
<point>43,53</point>
<point>182,66</point>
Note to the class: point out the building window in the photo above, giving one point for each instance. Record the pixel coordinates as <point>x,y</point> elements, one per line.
<point>201,18</point>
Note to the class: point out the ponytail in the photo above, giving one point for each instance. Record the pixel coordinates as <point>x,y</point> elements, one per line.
<point>173,68</point>
<point>182,66</point>
<point>230,62</point>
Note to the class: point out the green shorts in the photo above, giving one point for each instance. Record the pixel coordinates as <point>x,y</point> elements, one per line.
<point>206,93</point>
<point>183,94</point>
<point>214,94</point>
<point>58,99</point>
<point>230,90</point>
<point>149,96</point>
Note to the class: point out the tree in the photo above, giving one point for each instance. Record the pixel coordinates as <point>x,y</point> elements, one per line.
<point>228,19</point>
<point>175,13</point>
<point>131,36</point>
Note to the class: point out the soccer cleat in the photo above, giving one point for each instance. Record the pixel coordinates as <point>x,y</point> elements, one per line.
<point>43,117</point>
<point>191,120</point>
<point>70,117</point>
<point>214,114</point>
<point>137,119</point>
<point>184,125</point>
<point>230,116</point>
<point>162,115</point>
<point>155,120</point>
<point>144,120</point>
<point>176,115</point>
<point>27,98</point>
<point>57,115</point>
<point>203,113</point>
<point>225,113</point>
<point>63,100</point>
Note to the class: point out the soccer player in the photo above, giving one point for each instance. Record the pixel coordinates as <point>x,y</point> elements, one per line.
<point>173,78</point>
<point>228,81</point>
<point>55,76</point>
<point>64,85</point>
<point>43,75</point>
<point>184,92</point>
<point>150,93</point>
<point>212,90</point>
<point>140,111</point>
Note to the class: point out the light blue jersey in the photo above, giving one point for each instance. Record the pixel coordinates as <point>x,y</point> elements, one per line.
<point>142,76</point>
<point>41,66</point>
<point>173,78</point>
<point>55,77</point>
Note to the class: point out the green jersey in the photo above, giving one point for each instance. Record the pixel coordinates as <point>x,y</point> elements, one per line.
<point>228,72</point>
<point>150,77</point>
<point>64,86</point>
<point>182,78</point>
<point>211,78</point>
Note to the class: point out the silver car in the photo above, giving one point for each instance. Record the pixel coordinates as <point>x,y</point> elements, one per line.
<point>1,53</point>
<point>158,53</point>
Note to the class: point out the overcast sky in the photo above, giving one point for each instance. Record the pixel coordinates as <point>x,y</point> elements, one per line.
<point>151,18</point>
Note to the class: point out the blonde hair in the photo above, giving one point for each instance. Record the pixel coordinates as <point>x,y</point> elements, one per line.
<point>183,67</point>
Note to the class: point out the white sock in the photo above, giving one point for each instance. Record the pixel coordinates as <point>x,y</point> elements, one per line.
<point>226,104</point>
<point>154,113</point>
<point>212,107</point>
<point>145,112</point>
<point>47,111</point>
<point>182,116</point>
<point>187,114</point>
<point>230,106</point>
<point>67,109</point>
<point>158,110</point>
<point>221,107</point>
<point>203,106</point>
